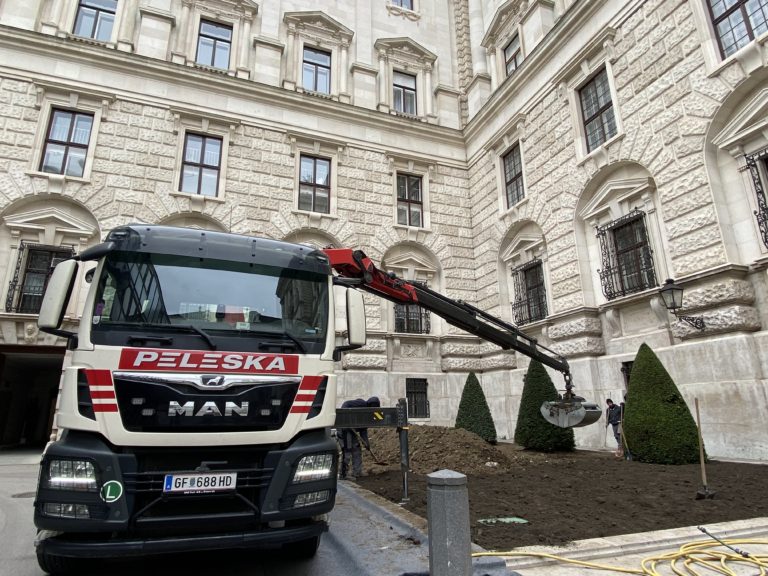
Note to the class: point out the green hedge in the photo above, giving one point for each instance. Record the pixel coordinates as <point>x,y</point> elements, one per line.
<point>474,414</point>
<point>657,423</point>
<point>532,430</point>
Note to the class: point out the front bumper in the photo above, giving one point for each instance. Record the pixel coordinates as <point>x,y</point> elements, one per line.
<point>66,545</point>
<point>145,520</point>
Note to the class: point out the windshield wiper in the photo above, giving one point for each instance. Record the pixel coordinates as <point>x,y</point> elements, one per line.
<point>298,343</point>
<point>204,335</point>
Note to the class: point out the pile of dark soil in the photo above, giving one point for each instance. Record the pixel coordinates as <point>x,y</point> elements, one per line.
<point>563,497</point>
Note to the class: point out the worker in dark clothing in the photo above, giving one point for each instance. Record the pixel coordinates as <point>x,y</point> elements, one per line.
<point>613,414</point>
<point>352,452</point>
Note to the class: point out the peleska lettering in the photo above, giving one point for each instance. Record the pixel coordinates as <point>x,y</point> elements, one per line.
<point>188,361</point>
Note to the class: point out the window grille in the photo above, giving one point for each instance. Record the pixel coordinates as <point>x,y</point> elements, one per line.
<point>416,394</point>
<point>33,270</point>
<point>627,258</point>
<point>412,318</point>
<point>754,162</point>
<point>530,302</point>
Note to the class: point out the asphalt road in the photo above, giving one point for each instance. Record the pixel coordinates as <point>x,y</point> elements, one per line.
<point>364,538</point>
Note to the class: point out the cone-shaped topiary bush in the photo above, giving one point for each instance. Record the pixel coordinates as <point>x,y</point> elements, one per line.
<point>658,426</point>
<point>474,414</point>
<point>532,430</point>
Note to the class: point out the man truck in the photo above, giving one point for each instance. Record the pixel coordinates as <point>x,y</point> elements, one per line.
<point>198,391</point>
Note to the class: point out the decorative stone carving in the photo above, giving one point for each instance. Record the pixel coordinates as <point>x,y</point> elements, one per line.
<point>586,346</point>
<point>726,290</point>
<point>577,327</point>
<point>364,361</point>
<point>412,351</point>
<point>727,319</point>
<point>30,333</point>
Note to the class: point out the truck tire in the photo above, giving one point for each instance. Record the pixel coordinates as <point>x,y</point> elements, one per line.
<point>303,549</point>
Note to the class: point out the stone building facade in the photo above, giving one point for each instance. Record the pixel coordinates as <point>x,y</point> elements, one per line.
<point>550,161</point>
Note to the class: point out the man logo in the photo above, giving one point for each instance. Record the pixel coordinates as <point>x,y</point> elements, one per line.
<point>212,381</point>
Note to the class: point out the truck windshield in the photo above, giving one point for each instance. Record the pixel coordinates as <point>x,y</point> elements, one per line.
<point>237,305</point>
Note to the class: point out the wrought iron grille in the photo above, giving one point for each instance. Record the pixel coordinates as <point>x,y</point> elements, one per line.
<point>530,302</point>
<point>626,255</point>
<point>416,394</point>
<point>753,163</point>
<point>412,318</point>
<point>34,267</point>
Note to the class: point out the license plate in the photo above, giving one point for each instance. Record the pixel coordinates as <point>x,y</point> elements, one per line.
<point>202,483</point>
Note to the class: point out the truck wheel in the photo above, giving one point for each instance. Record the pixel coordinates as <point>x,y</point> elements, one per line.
<point>303,549</point>
<point>59,565</point>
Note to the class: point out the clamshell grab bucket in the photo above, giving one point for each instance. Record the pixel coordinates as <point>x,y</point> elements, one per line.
<point>570,414</point>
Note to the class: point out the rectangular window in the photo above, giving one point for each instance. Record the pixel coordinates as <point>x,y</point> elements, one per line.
<point>409,200</point>
<point>33,269</point>
<point>626,372</point>
<point>627,258</point>
<point>213,44</point>
<point>316,71</point>
<point>66,143</point>
<point>755,162</point>
<point>315,184</point>
<point>597,111</point>
<point>412,318</point>
<point>416,395</point>
<point>513,176</point>
<point>404,93</point>
<point>737,22</point>
<point>512,55</point>
<point>530,302</point>
<point>407,4</point>
<point>95,19</point>
<point>201,165</point>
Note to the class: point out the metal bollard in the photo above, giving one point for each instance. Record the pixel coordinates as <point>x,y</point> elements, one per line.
<point>450,544</point>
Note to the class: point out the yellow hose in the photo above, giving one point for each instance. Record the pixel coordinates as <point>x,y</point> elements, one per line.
<point>710,556</point>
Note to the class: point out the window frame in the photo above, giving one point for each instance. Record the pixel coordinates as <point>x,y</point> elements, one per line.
<point>408,201</point>
<point>98,13</point>
<point>68,143</point>
<point>420,405</point>
<point>739,6</point>
<point>404,4</point>
<point>517,56</point>
<point>215,40</point>
<point>516,177</point>
<point>314,185</point>
<point>316,66</point>
<point>528,307</point>
<point>613,279</point>
<point>16,293</point>
<point>601,111</point>
<point>412,318</point>
<point>201,165</point>
<point>405,90</point>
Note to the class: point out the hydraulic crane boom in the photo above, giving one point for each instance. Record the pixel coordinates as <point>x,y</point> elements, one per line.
<point>354,268</point>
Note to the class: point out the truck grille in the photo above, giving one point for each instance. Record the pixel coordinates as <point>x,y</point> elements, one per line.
<point>203,403</point>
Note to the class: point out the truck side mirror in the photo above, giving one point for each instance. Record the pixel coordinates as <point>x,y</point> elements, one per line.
<point>355,319</point>
<point>56,298</point>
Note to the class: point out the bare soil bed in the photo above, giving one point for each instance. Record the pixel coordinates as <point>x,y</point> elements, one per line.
<point>564,496</point>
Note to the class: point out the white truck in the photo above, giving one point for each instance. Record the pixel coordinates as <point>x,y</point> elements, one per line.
<point>196,400</point>
<point>198,394</point>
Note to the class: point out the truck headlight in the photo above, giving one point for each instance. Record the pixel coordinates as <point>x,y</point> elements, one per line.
<point>58,510</point>
<point>311,498</point>
<point>77,475</point>
<point>314,467</point>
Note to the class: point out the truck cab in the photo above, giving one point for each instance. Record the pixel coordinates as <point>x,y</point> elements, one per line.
<point>196,399</point>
